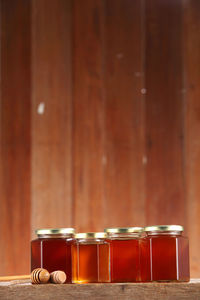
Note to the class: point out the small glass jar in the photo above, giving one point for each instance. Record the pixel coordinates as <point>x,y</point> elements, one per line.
<point>124,253</point>
<point>52,250</point>
<point>90,258</point>
<point>165,254</point>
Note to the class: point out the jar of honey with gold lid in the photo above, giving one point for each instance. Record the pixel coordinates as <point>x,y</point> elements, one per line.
<point>124,253</point>
<point>90,258</point>
<point>165,254</point>
<point>52,250</point>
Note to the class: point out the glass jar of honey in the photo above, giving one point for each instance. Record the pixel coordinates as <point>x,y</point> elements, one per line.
<point>90,258</point>
<point>52,250</point>
<point>124,253</point>
<point>165,254</point>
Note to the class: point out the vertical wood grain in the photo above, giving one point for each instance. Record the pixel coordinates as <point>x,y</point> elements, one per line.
<point>88,112</point>
<point>192,126</point>
<point>15,137</point>
<point>164,113</point>
<point>51,126</point>
<point>124,109</point>
<point>110,117</point>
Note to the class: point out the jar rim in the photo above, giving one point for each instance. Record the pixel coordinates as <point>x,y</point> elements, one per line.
<point>54,231</point>
<point>124,230</point>
<point>164,228</point>
<point>90,235</point>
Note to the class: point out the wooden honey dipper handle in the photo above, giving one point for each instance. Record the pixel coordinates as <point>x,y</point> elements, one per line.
<point>37,276</point>
<point>14,277</point>
<point>58,277</point>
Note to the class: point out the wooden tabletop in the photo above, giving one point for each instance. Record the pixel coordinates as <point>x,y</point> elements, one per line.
<point>137,291</point>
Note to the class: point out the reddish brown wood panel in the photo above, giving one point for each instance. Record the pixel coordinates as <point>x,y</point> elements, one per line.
<point>15,137</point>
<point>51,113</point>
<point>191,45</point>
<point>124,110</point>
<point>164,113</point>
<point>88,115</point>
<point>106,92</point>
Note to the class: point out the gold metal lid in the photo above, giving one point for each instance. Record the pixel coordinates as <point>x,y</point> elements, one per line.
<point>124,230</point>
<point>91,235</point>
<point>164,228</point>
<point>55,231</point>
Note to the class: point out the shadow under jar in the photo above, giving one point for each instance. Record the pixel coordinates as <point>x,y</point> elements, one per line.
<point>124,253</point>
<point>165,254</point>
<point>90,258</point>
<point>52,250</point>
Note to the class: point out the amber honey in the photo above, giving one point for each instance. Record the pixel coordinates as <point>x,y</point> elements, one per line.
<point>52,250</point>
<point>90,258</point>
<point>124,253</point>
<point>165,254</point>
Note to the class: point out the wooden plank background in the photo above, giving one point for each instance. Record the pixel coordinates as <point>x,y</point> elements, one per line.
<point>191,47</point>
<point>51,99</point>
<point>88,115</point>
<point>164,113</point>
<point>15,136</point>
<point>99,118</point>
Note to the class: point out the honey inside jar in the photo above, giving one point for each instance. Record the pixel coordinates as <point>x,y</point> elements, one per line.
<point>52,250</point>
<point>124,253</point>
<point>165,254</point>
<point>90,258</point>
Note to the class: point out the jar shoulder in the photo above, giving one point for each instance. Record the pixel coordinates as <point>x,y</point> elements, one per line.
<point>179,237</point>
<point>40,240</point>
<point>86,242</point>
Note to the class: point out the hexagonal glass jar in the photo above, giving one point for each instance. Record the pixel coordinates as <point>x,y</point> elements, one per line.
<point>165,254</point>
<point>124,253</point>
<point>52,250</point>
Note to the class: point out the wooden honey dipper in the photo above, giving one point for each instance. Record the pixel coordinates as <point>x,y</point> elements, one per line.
<point>58,277</point>
<point>39,276</point>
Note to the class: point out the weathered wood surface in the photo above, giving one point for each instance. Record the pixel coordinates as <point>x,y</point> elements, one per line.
<point>137,291</point>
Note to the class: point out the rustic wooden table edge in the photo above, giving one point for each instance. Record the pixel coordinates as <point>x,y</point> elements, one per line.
<point>137,291</point>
